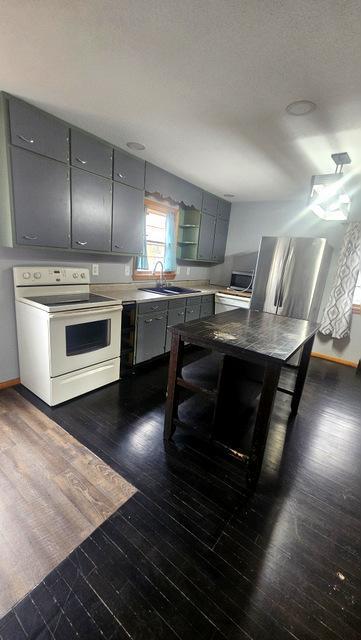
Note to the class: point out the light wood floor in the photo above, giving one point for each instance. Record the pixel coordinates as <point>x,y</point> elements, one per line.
<point>53,493</point>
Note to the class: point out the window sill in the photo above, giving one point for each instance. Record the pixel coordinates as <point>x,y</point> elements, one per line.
<point>149,275</point>
<point>356,308</point>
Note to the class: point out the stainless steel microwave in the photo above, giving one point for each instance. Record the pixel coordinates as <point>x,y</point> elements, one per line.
<point>242,280</point>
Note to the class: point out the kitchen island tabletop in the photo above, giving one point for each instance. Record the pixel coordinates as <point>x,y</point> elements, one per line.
<point>260,338</point>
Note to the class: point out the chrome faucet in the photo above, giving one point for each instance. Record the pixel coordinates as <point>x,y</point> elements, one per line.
<point>161,282</point>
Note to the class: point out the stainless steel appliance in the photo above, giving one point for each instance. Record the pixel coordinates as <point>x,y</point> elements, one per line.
<point>290,276</point>
<point>68,338</point>
<point>242,281</point>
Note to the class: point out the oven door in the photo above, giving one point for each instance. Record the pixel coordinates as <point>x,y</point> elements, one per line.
<point>80,339</point>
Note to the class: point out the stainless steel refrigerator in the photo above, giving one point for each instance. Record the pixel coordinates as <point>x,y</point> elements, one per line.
<point>291,276</point>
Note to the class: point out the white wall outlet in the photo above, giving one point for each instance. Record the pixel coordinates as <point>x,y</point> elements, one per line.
<point>178,271</point>
<point>127,270</point>
<point>188,271</point>
<point>95,269</point>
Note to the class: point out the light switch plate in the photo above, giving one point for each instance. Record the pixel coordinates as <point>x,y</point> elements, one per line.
<point>188,271</point>
<point>127,270</point>
<point>178,271</point>
<point>95,269</point>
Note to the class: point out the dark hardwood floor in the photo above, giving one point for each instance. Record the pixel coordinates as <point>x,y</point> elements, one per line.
<point>192,554</point>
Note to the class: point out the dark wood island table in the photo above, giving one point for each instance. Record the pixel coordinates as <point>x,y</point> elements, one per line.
<point>253,336</point>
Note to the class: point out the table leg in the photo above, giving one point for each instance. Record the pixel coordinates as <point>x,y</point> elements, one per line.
<point>175,368</point>
<point>269,389</point>
<point>301,375</point>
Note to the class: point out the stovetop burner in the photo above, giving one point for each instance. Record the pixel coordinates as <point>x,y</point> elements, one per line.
<point>61,299</point>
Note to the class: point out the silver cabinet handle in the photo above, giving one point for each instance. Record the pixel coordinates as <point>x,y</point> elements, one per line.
<point>118,246</point>
<point>30,237</point>
<point>148,321</point>
<point>155,307</point>
<point>121,175</point>
<point>81,161</point>
<point>29,140</point>
<point>82,244</point>
<point>181,313</point>
<point>159,318</point>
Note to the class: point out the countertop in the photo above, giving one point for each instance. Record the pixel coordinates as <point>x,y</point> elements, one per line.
<point>131,292</point>
<point>253,335</point>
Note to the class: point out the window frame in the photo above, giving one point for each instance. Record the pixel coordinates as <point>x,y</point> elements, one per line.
<point>160,207</point>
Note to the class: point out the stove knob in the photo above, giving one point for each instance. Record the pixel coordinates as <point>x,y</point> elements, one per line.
<point>37,275</point>
<point>83,275</point>
<point>75,275</point>
<point>26,275</point>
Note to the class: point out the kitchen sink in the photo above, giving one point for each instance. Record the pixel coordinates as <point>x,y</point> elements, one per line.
<point>168,291</point>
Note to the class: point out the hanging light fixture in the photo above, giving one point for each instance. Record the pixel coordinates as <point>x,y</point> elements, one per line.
<point>328,198</point>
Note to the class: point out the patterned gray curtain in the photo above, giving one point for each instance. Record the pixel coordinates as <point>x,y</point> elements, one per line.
<point>336,320</point>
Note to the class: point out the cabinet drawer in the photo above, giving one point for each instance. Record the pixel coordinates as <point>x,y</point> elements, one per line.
<point>209,203</point>
<point>128,169</point>
<point>194,300</point>
<point>178,303</point>
<point>193,312</point>
<point>36,131</point>
<point>91,154</point>
<point>209,298</point>
<point>207,309</point>
<point>149,307</point>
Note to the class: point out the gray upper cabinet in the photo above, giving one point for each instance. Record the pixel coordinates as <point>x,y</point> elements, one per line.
<point>170,186</point>
<point>41,194</point>
<point>209,203</point>
<point>91,211</point>
<point>224,209</point>
<point>220,240</point>
<point>36,131</point>
<point>128,220</point>
<point>89,153</point>
<point>128,169</point>
<point>206,237</point>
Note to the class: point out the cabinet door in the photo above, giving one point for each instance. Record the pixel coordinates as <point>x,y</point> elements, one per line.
<point>207,309</point>
<point>220,240</point>
<point>128,220</point>
<point>151,333</point>
<point>209,203</point>
<point>206,237</point>
<point>91,154</point>
<point>91,211</point>
<point>168,185</point>
<point>193,311</point>
<point>34,130</point>
<point>224,209</point>
<point>175,316</point>
<point>128,169</point>
<point>41,195</point>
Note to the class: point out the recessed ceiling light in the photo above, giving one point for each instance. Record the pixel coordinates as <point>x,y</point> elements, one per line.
<point>136,145</point>
<point>228,195</point>
<point>300,107</point>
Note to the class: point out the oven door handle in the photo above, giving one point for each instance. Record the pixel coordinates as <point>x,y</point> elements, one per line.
<point>83,312</point>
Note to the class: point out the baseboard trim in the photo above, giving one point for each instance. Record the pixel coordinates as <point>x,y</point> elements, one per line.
<point>347,363</point>
<point>9,383</point>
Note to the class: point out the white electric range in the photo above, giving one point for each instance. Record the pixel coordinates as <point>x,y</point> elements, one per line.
<point>68,337</point>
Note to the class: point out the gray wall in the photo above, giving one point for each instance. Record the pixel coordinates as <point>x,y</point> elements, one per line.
<point>252,220</point>
<point>111,270</point>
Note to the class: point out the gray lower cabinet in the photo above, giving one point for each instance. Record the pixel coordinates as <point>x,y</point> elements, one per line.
<point>128,169</point>
<point>37,131</point>
<point>91,154</point>
<point>151,336</point>
<point>206,237</point>
<point>193,312</point>
<point>220,240</point>
<point>128,219</point>
<point>91,211</point>
<point>41,194</point>
<point>175,316</point>
<point>207,309</point>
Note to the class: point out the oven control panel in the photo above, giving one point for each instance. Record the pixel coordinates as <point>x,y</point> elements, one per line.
<point>30,276</point>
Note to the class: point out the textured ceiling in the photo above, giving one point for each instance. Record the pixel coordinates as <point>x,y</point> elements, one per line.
<point>202,83</point>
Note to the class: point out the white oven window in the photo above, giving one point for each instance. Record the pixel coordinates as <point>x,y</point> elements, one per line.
<point>87,336</point>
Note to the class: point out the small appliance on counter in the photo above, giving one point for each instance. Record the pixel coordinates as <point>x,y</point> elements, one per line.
<point>68,338</point>
<point>242,281</point>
